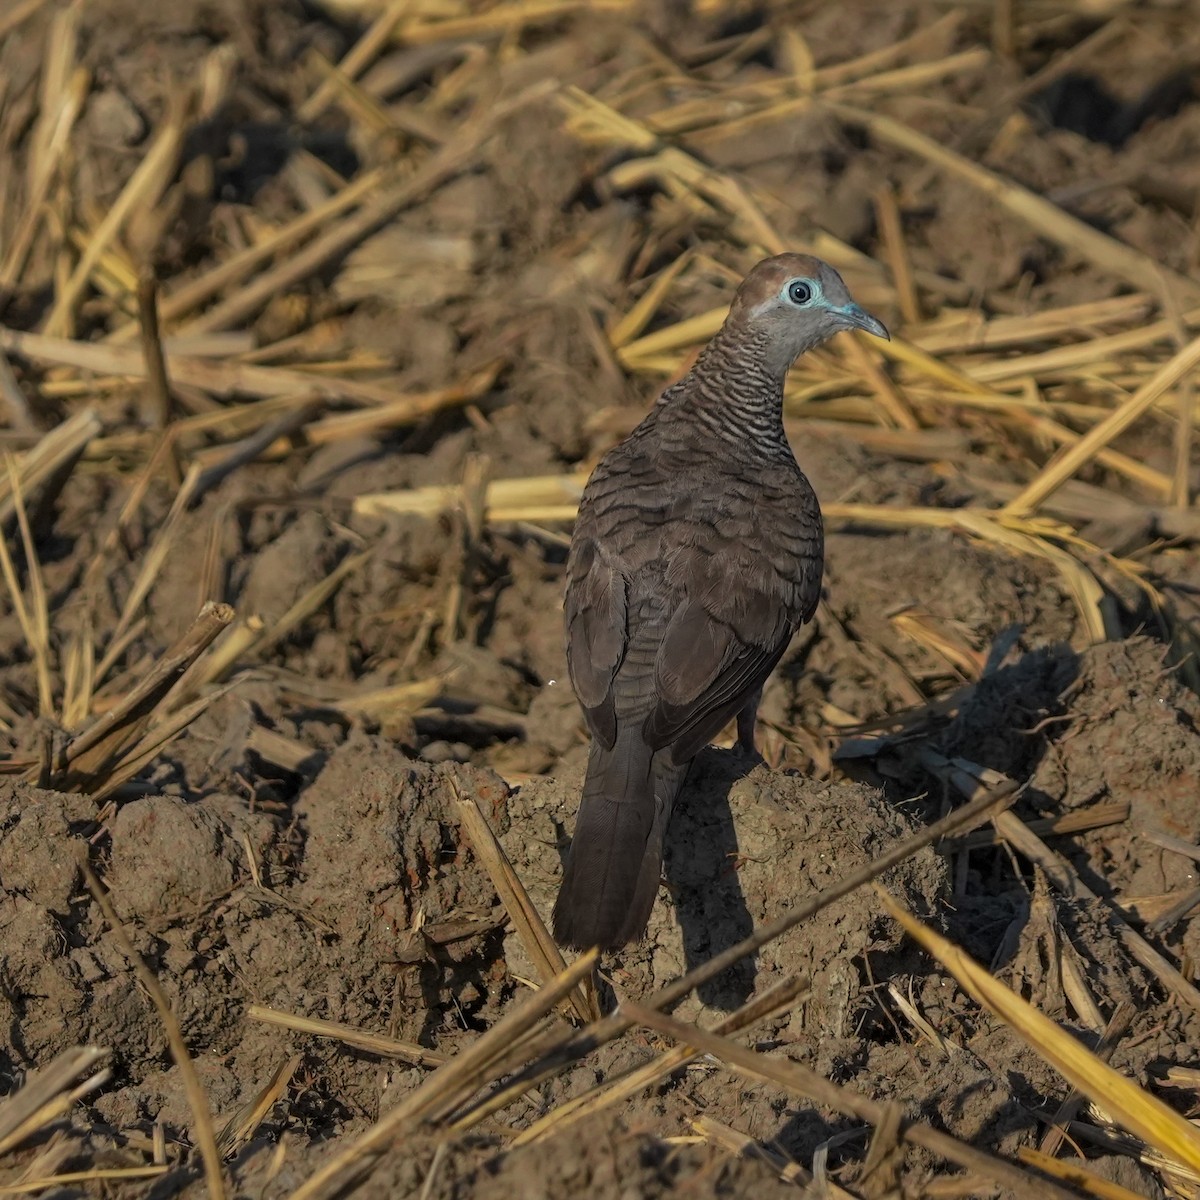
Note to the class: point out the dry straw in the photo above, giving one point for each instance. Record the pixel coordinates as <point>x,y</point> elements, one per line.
<point>384,1046</point>
<point>554,498</point>
<point>1131,1106</point>
<point>563,1051</point>
<point>776,999</point>
<point>970,779</point>
<point>801,1081</point>
<point>447,1086</point>
<point>50,1093</point>
<point>535,937</point>
<point>202,1127</point>
<point>1052,391</point>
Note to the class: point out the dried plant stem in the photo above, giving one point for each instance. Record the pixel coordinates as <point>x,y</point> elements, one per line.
<point>311,601</point>
<point>357,59</point>
<point>384,1046</point>
<point>21,1112</point>
<point>1137,1110</point>
<point>782,995</point>
<point>15,16</point>
<point>152,350</point>
<point>803,1082</point>
<point>202,1127</point>
<point>1068,463</point>
<point>1180,495</point>
<point>244,1123</point>
<point>92,1175</point>
<point>62,92</point>
<point>968,778</point>
<point>1087,1181</point>
<point>33,618</point>
<point>894,406</point>
<point>49,459</point>
<point>183,299</point>
<point>891,230</point>
<point>1095,816</point>
<point>142,187</point>
<point>575,1046</point>
<point>208,375</point>
<point>1118,1026</point>
<point>446,1086</point>
<point>152,562</point>
<point>150,745</point>
<point>1047,218</point>
<point>90,754</point>
<point>447,162</point>
<point>535,937</point>
<point>741,1144</point>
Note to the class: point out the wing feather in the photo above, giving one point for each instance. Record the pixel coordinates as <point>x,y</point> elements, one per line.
<point>722,642</point>
<point>596,623</point>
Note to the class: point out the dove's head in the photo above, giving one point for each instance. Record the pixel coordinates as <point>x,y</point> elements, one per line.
<point>792,302</point>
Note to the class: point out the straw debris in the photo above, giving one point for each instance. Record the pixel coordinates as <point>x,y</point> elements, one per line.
<point>309,341</point>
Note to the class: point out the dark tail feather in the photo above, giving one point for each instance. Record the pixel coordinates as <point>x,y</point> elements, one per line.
<point>613,868</point>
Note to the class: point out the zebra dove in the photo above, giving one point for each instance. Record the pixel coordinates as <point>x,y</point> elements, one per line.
<point>697,553</point>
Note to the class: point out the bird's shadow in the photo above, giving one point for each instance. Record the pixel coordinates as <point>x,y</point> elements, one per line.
<point>701,868</point>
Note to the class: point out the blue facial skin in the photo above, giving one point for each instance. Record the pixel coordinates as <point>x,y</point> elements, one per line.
<point>807,293</point>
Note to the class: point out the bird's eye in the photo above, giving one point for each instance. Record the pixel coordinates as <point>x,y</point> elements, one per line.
<point>799,291</point>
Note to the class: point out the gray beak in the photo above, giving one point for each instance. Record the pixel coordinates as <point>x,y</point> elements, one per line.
<point>859,318</point>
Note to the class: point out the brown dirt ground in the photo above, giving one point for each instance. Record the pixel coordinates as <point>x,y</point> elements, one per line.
<point>376,912</point>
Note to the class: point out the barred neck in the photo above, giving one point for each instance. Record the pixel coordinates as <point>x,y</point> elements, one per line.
<point>733,394</point>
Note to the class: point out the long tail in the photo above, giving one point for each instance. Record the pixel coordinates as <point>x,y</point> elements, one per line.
<point>613,868</point>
